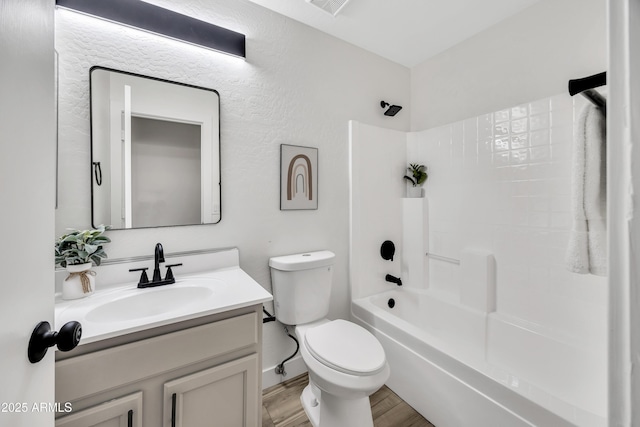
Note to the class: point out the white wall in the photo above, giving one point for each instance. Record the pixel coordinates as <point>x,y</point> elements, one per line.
<point>298,86</point>
<point>529,56</point>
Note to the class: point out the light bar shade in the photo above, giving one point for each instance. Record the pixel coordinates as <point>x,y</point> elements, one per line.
<point>148,17</point>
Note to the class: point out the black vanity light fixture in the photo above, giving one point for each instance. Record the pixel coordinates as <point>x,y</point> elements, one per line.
<point>155,19</point>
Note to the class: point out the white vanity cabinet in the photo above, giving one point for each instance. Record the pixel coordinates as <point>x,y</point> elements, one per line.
<point>199,372</point>
<point>223,393</point>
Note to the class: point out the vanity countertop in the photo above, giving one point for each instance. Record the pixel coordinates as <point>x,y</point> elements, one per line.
<point>126,309</point>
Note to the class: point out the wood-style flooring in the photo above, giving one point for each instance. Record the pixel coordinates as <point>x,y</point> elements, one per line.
<point>281,407</point>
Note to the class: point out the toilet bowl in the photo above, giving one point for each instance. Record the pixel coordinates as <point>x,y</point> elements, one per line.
<point>346,363</point>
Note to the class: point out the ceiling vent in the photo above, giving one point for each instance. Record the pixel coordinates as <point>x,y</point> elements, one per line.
<point>330,6</point>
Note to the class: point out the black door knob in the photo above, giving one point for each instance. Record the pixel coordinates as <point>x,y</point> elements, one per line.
<point>43,337</point>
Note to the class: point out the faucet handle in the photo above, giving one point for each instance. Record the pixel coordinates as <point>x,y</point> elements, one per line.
<point>143,277</point>
<point>169,275</point>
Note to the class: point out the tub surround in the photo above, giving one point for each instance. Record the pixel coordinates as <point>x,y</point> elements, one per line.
<point>501,182</point>
<point>415,241</point>
<point>488,242</point>
<point>377,162</point>
<point>478,279</point>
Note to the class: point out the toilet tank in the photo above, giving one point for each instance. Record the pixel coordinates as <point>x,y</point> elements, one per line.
<point>301,286</point>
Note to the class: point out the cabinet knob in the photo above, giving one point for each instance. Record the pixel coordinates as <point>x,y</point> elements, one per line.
<point>43,337</point>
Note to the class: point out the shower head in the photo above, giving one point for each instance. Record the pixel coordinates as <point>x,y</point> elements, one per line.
<point>392,111</point>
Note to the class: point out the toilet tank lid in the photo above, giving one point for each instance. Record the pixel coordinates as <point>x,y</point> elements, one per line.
<point>303,261</point>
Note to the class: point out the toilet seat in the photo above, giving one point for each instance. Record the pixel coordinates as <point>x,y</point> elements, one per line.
<point>346,347</point>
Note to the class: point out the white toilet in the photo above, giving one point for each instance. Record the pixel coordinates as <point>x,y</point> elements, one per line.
<point>346,363</point>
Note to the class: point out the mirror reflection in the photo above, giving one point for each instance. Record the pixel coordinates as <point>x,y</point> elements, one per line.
<point>155,149</point>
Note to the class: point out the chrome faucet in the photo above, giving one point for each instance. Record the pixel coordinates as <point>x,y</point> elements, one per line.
<point>157,277</point>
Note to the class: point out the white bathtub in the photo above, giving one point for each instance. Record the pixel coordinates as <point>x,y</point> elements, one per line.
<point>461,367</point>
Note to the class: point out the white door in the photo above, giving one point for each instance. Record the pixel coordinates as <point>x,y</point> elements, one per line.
<point>27,190</point>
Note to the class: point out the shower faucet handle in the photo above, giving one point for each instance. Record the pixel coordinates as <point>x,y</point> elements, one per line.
<point>387,250</point>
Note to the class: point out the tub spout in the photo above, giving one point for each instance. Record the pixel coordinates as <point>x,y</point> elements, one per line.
<point>393,279</point>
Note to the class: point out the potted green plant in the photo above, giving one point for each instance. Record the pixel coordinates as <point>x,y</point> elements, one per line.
<point>417,178</point>
<point>77,251</point>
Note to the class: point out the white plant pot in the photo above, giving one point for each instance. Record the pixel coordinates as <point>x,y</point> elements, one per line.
<point>414,192</point>
<point>79,274</point>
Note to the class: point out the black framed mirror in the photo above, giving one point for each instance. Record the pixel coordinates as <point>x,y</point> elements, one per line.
<point>155,151</point>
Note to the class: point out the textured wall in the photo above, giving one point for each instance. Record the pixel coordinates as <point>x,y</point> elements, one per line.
<point>298,86</point>
<point>529,56</point>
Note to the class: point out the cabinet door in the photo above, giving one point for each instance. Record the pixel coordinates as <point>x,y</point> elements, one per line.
<point>224,396</point>
<point>123,412</point>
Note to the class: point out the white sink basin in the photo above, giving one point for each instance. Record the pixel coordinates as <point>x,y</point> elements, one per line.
<point>150,303</point>
<point>125,309</point>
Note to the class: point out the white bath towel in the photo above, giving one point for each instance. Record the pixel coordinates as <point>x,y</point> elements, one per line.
<point>587,250</point>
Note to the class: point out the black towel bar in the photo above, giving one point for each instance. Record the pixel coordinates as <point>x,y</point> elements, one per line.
<point>591,82</point>
<point>586,87</point>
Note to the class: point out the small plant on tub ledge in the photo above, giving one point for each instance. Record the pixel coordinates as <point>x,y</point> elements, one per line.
<point>77,251</point>
<point>417,178</point>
